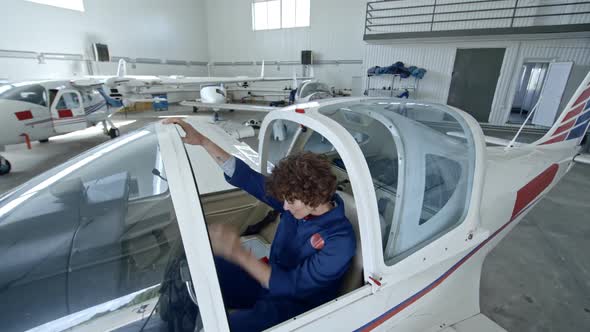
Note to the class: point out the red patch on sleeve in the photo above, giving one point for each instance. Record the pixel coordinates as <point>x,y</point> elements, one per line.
<point>317,242</point>
<point>265,260</point>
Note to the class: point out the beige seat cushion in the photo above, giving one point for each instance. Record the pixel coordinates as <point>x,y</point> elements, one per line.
<point>353,279</point>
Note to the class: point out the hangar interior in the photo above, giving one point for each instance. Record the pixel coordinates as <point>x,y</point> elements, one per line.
<point>515,67</point>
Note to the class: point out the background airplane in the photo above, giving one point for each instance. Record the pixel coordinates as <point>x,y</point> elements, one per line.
<point>215,97</point>
<point>38,110</point>
<point>144,86</point>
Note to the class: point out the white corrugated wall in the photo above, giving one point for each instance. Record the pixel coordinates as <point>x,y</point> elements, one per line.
<point>438,58</point>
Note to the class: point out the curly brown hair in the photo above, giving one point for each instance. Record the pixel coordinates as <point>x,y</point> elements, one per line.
<point>304,176</point>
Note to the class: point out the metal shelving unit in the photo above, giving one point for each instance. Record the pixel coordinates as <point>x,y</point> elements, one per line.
<point>390,85</point>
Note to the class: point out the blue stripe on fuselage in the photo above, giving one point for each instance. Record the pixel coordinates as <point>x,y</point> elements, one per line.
<point>93,108</point>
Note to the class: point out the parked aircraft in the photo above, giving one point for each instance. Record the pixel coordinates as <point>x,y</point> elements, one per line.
<point>124,225</point>
<point>142,86</point>
<point>38,110</point>
<point>215,97</point>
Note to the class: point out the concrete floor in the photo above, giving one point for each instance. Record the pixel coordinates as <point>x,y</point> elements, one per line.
<point>536,279</point>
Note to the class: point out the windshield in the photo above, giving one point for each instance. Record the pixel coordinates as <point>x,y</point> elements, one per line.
<point>89,242</point>
<point>313,87</point>
<point>29,93</point>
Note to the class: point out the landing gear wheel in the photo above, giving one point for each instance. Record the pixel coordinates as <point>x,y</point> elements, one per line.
<point>5,166</point>
<point>195,109</point>
<point>114,132</point>
<point>44,140</point>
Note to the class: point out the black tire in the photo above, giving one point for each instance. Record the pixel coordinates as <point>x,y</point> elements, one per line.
<point>5,167</point>
<point>114,132</point>
<point>44,140</point>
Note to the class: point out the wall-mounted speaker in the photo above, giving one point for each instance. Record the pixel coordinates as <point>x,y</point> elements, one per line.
<point>306,57</point>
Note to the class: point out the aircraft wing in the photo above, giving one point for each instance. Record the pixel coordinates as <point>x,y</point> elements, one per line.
<point>237,107</point>
<point>583,158</point>
<point>87,82</point>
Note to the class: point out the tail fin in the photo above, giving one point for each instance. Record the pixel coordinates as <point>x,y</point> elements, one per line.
<point>573,121</point>
<point>122,68</point>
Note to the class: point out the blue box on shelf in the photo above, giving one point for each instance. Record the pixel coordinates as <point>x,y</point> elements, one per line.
<point>162,103</point>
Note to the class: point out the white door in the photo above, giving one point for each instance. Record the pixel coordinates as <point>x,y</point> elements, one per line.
<point>67,112</point>
<point>552,92</point>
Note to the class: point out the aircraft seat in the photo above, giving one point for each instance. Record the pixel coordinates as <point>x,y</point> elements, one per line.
<point>353,278</point>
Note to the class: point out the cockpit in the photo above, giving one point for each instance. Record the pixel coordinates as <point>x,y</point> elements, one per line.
<point>422,172</point>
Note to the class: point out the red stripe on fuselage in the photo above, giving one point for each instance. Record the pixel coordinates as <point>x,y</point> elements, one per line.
<point>528,193</point>
<point>585,95</point>
<point>573,113</point>
<point>556,139</point>
<point>564,127</point>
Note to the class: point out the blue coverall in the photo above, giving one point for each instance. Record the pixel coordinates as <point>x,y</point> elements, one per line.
<point>308,259</point>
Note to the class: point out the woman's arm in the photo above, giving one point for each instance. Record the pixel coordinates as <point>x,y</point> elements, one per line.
<point>243,176</point>
<point>194,137</point>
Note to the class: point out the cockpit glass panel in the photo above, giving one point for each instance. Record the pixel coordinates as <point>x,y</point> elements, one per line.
<point>95,242</point>
<point>379,150</point>
<point>68,100</point>
<point>34,94</point>
<point>282,134</point>
<point>428,157</point>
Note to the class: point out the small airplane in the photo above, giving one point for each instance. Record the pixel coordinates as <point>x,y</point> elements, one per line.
<point>215,98</point>
<point>38,110</point>
<point>125,224</point>
<point>212,89</point>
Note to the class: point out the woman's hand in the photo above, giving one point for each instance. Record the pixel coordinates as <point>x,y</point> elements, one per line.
<point>192,137</point>
<point>225,241</point>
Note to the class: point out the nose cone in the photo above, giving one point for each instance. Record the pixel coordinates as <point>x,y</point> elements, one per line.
<point>11,127</point>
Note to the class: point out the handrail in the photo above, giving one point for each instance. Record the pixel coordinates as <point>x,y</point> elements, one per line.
<point>437,13</point>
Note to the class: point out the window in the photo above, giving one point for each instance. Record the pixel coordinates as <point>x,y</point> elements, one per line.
<point>67,4</point>
<point>380,152</point>
<point>105,235</point>
<point>277,14</point>
<point>422,175</point>
<point>68,101</point>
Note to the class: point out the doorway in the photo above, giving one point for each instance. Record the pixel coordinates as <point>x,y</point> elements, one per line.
<point>532,77</point>
<point>541,83</point>
<point>474,79</point>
